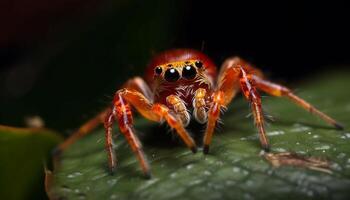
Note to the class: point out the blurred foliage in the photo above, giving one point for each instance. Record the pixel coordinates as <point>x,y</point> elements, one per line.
<point>23,154</point>
<point>233,169</point>
<point>73,74</point>
<point>65,78</point>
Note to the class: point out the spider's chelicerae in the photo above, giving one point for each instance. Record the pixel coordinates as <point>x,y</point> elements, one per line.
<point>184,83</point>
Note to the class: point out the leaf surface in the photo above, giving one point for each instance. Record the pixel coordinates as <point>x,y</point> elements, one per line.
<point>233,169</point>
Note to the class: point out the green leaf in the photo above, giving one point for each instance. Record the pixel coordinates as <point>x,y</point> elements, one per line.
<point>233,169</point>
<point>23,153</point>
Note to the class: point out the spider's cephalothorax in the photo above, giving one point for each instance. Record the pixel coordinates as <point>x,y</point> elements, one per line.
<point>181,79</point>
<point>182,83</point>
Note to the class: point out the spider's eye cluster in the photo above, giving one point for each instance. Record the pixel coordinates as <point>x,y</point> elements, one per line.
<point>158,70</point>
<point>189,72</point>
<point>171,75</point>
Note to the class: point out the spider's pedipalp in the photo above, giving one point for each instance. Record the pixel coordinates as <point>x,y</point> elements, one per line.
<point>179,107</point>
<point>199,106</point>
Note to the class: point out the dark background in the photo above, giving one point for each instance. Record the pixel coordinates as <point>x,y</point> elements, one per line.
<point>62,60</point>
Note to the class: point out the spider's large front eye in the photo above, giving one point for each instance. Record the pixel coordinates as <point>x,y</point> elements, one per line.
<point>171,75</point>
<point>158,70</point>
<point>189,72</point>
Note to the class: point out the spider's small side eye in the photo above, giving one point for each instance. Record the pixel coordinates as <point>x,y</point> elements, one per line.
<point>189,72</point>
<point>158,70</point>
<point>198,64</point>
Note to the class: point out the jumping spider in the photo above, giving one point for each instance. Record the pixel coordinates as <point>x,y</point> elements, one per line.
<point>180,83</point>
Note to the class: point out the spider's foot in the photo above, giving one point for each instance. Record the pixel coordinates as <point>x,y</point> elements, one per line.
<point>112,170</point>
<point>206,149</point>
<point>56,151</point>
<point>194,149</point>
<point>338,126</point>
<point>266,148</point>
<point>148,174</point>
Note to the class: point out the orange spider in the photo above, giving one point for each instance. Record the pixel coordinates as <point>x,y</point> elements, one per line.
<point>184,82</point>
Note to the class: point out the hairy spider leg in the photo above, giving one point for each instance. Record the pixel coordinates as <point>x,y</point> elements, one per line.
<point>250,79</point>
<point>108,124</point>
<point>227,88</point>
<point>135,83</point>
<point>235,75</point>
<point>174,122</point>
<point>121,112</point>
<point>251,94</point>
<point>158,113</point>
<point>124,99</point>
<point>281,91</point>
<point>213,116</point>
<point>83,130</point>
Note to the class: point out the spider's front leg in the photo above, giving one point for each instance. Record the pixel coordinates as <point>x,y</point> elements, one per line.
<point>232,77</point>
<point>227,89</point>
<point>121,112</point>
<point>213,116</point>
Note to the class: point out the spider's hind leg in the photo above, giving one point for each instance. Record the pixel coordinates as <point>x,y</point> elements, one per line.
<point>281,91</point>
<point>236,73</point>
<point>135,83</point>
<point>83,130</point>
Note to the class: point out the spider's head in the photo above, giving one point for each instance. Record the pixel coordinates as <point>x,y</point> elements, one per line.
<point>179,65</point>
<point>174,71</point>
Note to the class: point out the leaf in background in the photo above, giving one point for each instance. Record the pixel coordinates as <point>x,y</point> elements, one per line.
<point>23,153</point>
<point>233,169</point>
